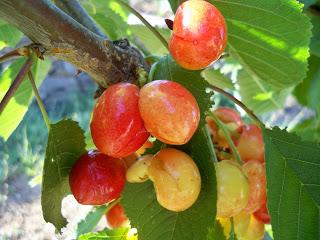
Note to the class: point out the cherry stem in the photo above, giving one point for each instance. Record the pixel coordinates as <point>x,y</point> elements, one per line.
<point>112,204</point>
<point>211,147</point>
<point>239,103</point>
<point>39,101</point>
<point>15,84</point>
<point>145,22</point>
<point>225,131</point>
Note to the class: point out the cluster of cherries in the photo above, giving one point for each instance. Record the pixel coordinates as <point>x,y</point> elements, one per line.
<point>125,116</point>
<point>241,188</point>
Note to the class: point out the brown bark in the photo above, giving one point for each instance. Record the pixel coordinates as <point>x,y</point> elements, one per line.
<point>63,37</point>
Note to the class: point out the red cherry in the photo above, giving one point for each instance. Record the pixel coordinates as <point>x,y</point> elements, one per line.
<point>169,111</point>
<point>262,214</point>
<point>116,127</point>
<point>199,34</point>
<point>96,178</point>
<point>116,217</point>
<point>250,144</point>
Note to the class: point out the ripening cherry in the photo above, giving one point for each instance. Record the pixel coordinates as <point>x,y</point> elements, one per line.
<point>138,171</point>
<point>116,127</point>
<point>176,179</point>
<point>262,214</point>
<point>232,188</point>
<point>256,174</point>
<point>231,119</point>
<point>199,34</point>
<point>116,217</point>
<point>169,111</point>
<point>250,144</point>
<point>96,178</point>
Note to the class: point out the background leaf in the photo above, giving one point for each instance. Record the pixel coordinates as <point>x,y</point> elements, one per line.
<point>293,185</point>
<point>216,233</point>
<point>260,98</point>
<point>65,146</point>
<point>153,221</point>
<point>270,41</point>
<point>315,40</point>
<point>19,103</point>
<point>91,220</point>
<point>308,92</point>
<point>9,35</point>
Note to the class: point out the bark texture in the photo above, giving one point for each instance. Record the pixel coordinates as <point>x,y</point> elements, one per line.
<point>63,37</point>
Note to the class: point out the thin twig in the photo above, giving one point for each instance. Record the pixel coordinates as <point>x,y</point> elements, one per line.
<point>39,101</point>
<point>78,13</point>
<point>238,102</point>
<point>15,84</point>
<point>235,152</point>
<point>145,22</point>
<point>211,147</point>
<point>19,52</point>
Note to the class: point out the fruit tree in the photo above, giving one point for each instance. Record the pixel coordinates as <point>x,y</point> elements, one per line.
<point>181,143</point>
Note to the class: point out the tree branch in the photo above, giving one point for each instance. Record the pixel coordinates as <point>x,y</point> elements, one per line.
<point>75,10</point>
<point>63,37</point>
<point>15,84</point>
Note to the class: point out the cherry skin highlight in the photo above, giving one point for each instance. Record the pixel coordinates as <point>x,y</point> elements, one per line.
<point>169,111</point>
<point>250,144</point>
<point>116,217</point>
<point>199,34</point>
<point>96,178</point>
<point>117,129</point>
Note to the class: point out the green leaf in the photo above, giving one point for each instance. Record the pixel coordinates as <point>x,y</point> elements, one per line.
<point>116,234</point>
<point>269,39</point>
<point>216,78</point>
<point>315,40</point>
<point>293,185</point>
<point>153,221</point>
<point>260,98</point>
<point>308,92</point>
<point>110,16</point>
<point>18,105</point>
<point>216,233</point>
<point>65,146</point>
<point>149,40</point>
<point>308,130</point>
<point>9,35</point>
<point>91,220</point>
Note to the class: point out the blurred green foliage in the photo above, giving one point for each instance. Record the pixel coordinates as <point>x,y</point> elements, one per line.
<point>24,151</point>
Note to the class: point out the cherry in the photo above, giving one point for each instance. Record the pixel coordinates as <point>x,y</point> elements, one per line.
<point>262,214</point>
<point>96,178</point>
<point>169,111</point>
<point>116,217</point>
<point>250,144</point>
<point>176,179</point>
<point>232,188</point>
<point>231,119</point>
<point>116,127</point>
<point>256,174</point>
<point>199,34</point>
<point>246,227</point>
<point>138,172</point>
